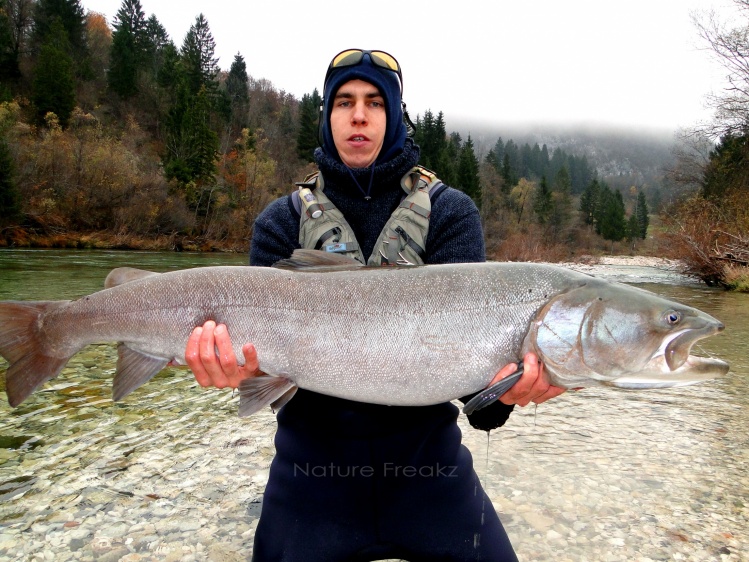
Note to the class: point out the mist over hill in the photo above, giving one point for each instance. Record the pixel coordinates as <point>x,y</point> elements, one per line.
<point>636,156</point>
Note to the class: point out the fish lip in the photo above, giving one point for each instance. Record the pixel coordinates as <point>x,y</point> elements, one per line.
<point>676,349</point>
<point>694,370</point>
<point>673,365</point>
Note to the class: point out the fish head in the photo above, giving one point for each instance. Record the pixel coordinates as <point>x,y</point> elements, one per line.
<point>614,334</point>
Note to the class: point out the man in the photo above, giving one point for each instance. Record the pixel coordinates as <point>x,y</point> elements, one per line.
<point>354,481</point>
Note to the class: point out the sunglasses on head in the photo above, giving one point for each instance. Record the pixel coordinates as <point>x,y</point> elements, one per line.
<point>352,57</point>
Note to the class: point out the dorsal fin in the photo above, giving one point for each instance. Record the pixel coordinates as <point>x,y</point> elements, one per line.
<point>317,261</point>
<point>122,275</point>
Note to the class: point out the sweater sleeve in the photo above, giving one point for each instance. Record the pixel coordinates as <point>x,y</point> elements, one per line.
<point>455,235</point>
<point>276,233</point>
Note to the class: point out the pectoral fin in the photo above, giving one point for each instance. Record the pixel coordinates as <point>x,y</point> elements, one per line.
<point>489,395</point>
<point>257,392</point>
<point>134,368</point>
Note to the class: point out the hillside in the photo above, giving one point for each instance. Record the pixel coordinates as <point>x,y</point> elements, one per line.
<point>639,155</point>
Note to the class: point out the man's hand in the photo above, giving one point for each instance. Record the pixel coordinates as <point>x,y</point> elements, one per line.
<point>210,355</point>
<point>533,386</point>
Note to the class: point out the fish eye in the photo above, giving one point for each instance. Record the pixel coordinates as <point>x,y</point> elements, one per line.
<point>673,317</point>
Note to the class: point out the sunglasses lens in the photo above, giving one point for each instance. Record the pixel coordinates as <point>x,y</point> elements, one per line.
<point>383,59</point>
<point>350,57</point>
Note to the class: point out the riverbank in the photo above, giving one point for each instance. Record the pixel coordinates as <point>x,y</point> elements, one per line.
<point>634,269</point>
<point>16,237</point>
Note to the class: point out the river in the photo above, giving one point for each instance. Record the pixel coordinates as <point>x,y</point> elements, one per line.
<point>171,473</point>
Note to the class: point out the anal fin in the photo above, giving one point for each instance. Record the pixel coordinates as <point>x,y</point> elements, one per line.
<point>257,392</point>
<point>134,368</point>
<point>281,402</point>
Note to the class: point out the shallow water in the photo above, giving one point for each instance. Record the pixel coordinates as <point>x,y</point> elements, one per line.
<point>171,473</point>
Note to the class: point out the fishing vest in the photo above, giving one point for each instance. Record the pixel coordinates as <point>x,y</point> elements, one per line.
<point>402,241</point>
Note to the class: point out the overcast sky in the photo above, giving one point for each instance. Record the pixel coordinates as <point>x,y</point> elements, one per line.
<point>638,63</point>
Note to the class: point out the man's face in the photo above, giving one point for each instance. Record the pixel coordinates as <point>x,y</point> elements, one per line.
<point>358,122</point>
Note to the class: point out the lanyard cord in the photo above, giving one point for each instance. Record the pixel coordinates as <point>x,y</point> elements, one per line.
<point>366,194</point>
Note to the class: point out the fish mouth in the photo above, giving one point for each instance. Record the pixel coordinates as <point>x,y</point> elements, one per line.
<point>673,364</point>
<point>678,347</point>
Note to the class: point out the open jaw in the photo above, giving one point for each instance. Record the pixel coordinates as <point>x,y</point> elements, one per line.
<point>673,365</point>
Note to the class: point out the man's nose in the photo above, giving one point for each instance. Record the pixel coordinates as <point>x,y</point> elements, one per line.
<point>360,113</point>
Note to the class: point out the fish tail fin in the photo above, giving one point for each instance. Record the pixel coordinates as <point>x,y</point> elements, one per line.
<point>23,345</point>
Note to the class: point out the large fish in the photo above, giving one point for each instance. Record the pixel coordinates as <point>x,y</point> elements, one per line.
<point>398,336</point>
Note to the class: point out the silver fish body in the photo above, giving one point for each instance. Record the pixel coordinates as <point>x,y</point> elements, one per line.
<point>399,336</point>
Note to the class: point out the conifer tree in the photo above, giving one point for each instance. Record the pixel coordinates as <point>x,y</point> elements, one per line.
<point>70,14</point>
<point>170,72</point>
<point>157,42</point>
<point>641,216</point>
<point>128,48</point>
<point>562,201</point>
<point>497,155</point>
<point>468,172</point>
<point>610,220</point>
<point>192,145</point>
<point>54,83</point>
<point>307,138</point>
<point>542,202</point>
<point>238,95</point>
<point>507,175</point>
<point>9,69</point>
<point>589,202</point>
<point>10,200</point>
<point>197,55</point>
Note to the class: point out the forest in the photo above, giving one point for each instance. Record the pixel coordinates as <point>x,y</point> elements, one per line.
<point>117,136</point>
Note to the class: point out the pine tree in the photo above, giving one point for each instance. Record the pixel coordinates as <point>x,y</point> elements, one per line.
<point>192,146</point>
<point>610,220</point>
<point>511,164</point>
<point>589,202</point>
<point>197,55</point>
<point>542,202</point>
<point>128,48</point>
<point>54,83</point>
<point>728,168</point>
<point>309,113</point>
<point>498,154</point>
<point>157,42</point>
<point>10,200</point>
<point>170,72</point>
<point>9,69</point>
<point>71,15</point>
<point>238,95</point>
<point>562,202</point>
<point>425,136</point>
<point>641,216</point>
<point>468,172</point>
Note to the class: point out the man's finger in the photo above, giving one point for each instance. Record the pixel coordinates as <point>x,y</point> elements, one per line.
<point>208,356</point>
<point>251,365</point>
<point>192,357</point>
<point>226,356</point>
